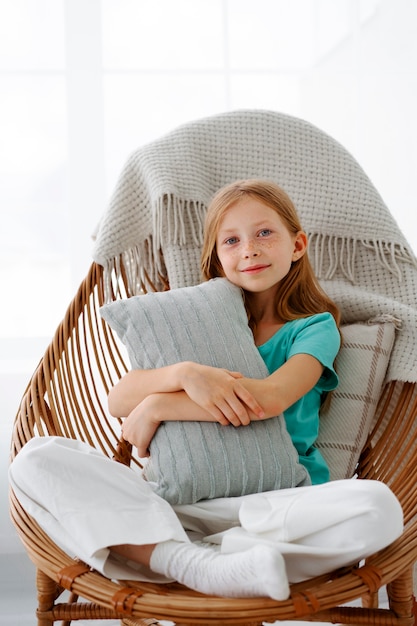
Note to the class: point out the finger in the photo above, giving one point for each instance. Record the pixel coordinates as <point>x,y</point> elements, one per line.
<point>250,402</point>
<point>235,374</point>
<point>219,416</point>
<point>143,453</point>
<point>217,413</point>
<point>240,411</point>
<point>235,412</point>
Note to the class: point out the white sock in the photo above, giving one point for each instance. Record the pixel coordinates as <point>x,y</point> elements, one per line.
<point>259,571</point>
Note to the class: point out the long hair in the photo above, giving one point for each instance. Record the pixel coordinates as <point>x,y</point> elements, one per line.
<point>299,294</point>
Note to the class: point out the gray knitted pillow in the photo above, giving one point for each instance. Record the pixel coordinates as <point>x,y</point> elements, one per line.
<point>192,461</point>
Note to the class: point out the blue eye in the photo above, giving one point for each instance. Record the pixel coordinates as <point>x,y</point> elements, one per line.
<point>231,241</point>
<point>265,232</point>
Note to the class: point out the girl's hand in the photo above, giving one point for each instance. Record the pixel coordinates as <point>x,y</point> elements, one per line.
<point>219,392</point>
<point>141,425</point>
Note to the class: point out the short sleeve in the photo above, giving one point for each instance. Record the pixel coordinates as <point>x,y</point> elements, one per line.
<point>318,336</point>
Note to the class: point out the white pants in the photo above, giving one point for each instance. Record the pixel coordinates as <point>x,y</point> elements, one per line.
<point>86,502</point>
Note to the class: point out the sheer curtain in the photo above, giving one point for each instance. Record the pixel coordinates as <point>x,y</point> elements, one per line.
<point>83,83</point>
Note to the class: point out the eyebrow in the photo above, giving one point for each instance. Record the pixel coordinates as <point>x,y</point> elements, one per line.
<point>257,225</point>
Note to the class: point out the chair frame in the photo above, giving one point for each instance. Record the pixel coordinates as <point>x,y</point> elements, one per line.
<point>66,397</point>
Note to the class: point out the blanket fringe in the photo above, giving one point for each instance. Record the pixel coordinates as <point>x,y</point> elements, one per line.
<point>386,318</point>
<point>178,221</point>
<point>329,253</point>
<point>143,268</point>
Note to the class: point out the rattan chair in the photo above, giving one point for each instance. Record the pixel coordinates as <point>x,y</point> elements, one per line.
<point>67,396</point>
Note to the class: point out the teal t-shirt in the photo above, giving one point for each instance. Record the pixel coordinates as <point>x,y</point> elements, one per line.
<point>318,336</point>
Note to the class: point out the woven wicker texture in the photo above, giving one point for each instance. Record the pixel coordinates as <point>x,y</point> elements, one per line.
<point>67,396</point>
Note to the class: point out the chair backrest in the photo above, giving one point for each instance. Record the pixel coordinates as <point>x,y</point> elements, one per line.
<point>153,225</point>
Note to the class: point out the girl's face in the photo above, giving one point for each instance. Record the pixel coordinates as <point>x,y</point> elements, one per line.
<point>254,246</point>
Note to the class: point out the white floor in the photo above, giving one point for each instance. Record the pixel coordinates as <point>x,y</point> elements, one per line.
<point>18,595</point>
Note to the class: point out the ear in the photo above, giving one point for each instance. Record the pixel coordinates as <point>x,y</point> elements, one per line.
<point>300,245</point>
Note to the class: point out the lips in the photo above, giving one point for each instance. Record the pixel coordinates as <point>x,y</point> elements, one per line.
<point>254,269</point>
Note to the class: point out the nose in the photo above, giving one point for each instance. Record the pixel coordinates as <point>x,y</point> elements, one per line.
<point>250,249</point>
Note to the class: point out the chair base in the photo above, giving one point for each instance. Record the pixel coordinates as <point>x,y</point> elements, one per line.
<point>49,611</point>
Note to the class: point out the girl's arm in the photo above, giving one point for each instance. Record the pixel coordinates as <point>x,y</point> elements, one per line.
<point>136,385</point>
<point>276,393</point>
<point>286,385</point>
<point>218,391</point>
<point>141,424</point>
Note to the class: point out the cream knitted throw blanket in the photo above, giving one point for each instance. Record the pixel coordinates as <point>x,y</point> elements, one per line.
<point>155,217</point>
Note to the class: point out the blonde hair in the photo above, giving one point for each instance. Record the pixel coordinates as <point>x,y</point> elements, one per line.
<point>300,293</point>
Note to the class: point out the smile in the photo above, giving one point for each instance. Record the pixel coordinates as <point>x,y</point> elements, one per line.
<point>254,269</point>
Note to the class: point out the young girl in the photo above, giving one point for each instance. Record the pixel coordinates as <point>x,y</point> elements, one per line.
<point>251,545</point>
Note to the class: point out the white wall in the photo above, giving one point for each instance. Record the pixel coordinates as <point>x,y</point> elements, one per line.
<point>84,83</point>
